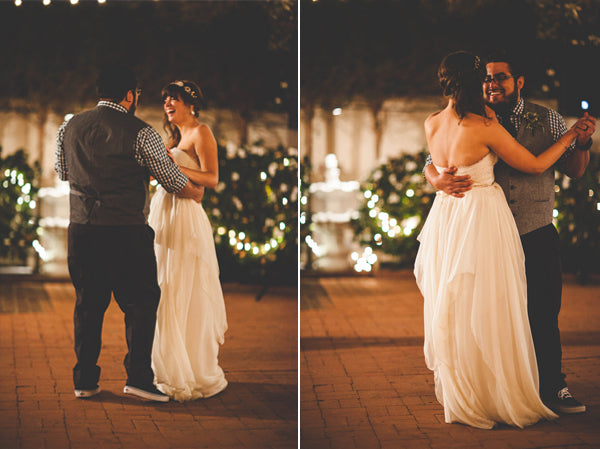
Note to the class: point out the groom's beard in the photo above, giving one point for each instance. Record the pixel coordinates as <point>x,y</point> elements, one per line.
<point>506,107</point>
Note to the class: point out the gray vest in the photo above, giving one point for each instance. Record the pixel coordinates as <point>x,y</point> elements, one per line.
<point>108,186</point>
<point>530,197</point>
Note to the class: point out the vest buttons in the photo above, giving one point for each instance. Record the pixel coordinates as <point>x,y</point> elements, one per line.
<point>513,187</point>
<point>513,201</point>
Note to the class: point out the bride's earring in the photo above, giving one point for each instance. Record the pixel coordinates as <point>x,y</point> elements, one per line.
<point>192,111</point>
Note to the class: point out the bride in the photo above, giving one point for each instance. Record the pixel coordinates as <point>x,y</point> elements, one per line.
<point>470,266</point>
<point>191,319</point>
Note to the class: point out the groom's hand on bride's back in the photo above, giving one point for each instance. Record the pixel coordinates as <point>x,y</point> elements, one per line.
<point>192,191</point>
<point>447,181</point>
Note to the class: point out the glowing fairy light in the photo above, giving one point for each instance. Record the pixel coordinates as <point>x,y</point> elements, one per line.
<point>368,194</point>
<point>317,251</point>
<point>410,193</point>
<point>555,213</point>
<point>263,176</point>
<point>242,235</point>
<point>40,250</point>
<point>364,261</point>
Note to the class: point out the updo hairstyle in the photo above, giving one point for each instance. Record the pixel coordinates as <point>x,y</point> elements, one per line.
<point>461,77</point>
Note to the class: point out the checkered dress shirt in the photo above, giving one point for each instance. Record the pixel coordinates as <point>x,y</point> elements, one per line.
<point>149,149</point>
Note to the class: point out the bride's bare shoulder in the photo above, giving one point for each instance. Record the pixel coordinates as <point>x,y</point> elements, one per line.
<point>432,121</point>
<point>433,116</point>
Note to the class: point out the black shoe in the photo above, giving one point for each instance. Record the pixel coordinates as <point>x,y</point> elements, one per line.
<point>563,402</point>
<point>87,393</point>
<point>147,392</point>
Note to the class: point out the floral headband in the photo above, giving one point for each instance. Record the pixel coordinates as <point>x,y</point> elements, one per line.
<point>188,89</point>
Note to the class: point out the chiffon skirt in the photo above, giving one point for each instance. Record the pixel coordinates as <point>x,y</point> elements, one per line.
<point>191,319</point>
<point>470,269</point>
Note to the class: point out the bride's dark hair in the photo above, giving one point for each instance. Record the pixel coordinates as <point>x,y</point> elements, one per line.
<point>461,76</point>
<point>191,95</point>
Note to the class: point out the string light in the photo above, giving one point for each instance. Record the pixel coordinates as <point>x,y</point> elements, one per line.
<point>40,250</point>
<point>364,261</point>
<point>317,251</point>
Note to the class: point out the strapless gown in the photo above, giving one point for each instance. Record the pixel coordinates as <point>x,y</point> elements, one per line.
<point>191,320</point>
<point>470,269</point>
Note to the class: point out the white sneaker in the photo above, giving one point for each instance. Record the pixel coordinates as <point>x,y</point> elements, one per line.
<point>87,393</point>
<point>150,393</point>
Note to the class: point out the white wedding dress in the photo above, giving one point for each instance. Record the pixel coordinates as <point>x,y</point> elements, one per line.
<point>191,320</point>
<point>470,269</point>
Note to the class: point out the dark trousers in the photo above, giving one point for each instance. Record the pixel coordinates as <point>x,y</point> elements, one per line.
<point>119,260</point>
<point>544,289</point>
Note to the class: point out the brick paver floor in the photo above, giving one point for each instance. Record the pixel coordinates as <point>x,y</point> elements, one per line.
<point>364,383</point>
<point>39,410</point>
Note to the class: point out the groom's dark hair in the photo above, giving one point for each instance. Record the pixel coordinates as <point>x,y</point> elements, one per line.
<point>114,82</point>
<point>516,66</point>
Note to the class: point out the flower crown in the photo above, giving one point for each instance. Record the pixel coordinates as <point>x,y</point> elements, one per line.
<point>188,89</point>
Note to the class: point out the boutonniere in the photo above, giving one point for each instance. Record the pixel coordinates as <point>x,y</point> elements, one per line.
<point>533,122</point>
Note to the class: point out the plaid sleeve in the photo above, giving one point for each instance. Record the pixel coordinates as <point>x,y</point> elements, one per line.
<point>558,128</point>
<point>151,153</point>
<point>428,161</point>
<point>60,162</point>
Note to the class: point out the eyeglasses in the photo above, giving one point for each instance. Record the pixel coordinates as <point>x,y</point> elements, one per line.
<point>499,78</point>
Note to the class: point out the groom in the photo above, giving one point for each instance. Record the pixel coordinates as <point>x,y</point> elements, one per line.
<point>107,155</point>
<point>531,200</point>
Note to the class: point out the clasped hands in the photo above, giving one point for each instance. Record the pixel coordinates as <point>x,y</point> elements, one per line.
<point>457,185</point>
